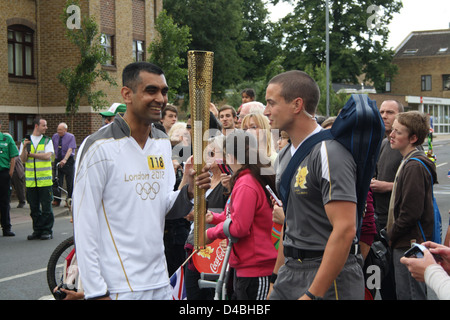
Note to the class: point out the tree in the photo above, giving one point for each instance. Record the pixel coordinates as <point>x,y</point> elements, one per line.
<point>258,47</point>
<point>79,80</point>
<point>358,38</point>
<point>215,26</point>
<point>337,100</point>
<point>169,51</point>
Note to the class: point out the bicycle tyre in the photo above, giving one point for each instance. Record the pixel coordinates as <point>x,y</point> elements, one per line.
<point>54,272</point>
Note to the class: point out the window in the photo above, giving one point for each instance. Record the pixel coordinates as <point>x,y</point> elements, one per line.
<point>138,50</point>
<point>20,51</point>
<point>107,42</point>
<point>410,52</point>
<point>446,82</point>
<point>20,125</point>
<point>388,84</point>
<point>426,83</point>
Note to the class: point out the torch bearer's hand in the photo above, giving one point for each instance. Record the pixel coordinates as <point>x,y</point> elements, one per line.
<point>202,180</point>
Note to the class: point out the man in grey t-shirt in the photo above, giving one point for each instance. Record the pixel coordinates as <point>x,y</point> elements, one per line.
<point>321,212</point>
<point>318,181</point>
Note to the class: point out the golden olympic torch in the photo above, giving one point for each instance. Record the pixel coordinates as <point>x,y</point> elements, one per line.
<point>200,73</point>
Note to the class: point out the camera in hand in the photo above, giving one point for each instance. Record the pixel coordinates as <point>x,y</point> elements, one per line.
<point>59,294</point>
<point>28,145</point>
<point>417,251</point>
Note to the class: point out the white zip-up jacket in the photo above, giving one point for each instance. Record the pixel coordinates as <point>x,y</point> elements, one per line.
<point>121,196</point>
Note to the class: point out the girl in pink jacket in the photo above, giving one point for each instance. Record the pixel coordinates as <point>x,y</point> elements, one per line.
<point>250,209</point>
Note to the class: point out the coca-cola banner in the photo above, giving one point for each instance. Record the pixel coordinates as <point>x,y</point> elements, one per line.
<point>210,259</point>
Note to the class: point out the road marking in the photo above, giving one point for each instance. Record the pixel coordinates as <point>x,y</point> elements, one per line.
<point>441,164</point>
<point>23,275</point>
<point>27,274</point>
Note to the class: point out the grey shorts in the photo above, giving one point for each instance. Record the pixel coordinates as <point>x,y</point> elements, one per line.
<point>295,277</point>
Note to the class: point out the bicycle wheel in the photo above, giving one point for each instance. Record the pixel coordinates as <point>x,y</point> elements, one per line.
<point>55,266</point>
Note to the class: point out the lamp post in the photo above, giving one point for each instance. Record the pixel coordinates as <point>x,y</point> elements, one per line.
<point>327,53</point>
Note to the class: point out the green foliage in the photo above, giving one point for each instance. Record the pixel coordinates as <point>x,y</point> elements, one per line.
<point>169,51</point>
<point>337,100</point>
<point>215,26</point>
<point>258,46</point>
<point>79,80</point>
<point>358,38</point>
<point>249,49</point>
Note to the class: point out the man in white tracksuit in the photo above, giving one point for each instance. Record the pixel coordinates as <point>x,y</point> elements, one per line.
<point>123,193</point>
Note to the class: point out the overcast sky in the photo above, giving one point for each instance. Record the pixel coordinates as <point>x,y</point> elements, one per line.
<point>416,15</point>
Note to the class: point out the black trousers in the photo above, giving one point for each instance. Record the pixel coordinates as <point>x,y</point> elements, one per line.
<point>66,173</point>
<point>5,193</point>
<point>40,200</point>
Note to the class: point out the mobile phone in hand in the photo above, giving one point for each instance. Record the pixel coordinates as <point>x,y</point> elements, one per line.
<point>274,196</point>
<point>224,167</point>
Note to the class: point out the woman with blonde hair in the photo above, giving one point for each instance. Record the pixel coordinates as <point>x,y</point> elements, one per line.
<point>258,125</point>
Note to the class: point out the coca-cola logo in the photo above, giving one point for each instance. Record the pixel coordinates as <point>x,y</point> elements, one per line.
<point>220,255</point>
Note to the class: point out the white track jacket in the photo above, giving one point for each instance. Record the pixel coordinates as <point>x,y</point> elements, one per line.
<point>121,196</point>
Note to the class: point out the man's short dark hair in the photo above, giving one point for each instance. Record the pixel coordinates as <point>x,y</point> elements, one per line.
<point>37,120</point>
<point>130,75</point>
<point>228,107</point>
<point>168,107</point>
<point>298,84</point>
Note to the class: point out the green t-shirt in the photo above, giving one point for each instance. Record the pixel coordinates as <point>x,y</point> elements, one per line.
<point>8,150</point>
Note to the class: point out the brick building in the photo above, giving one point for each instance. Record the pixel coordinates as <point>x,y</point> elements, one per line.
<point>34,50</point>
<point>423,79</point>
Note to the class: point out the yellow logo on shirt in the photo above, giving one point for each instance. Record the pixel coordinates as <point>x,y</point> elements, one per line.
<point>155,162</point>
<point>300,179</point>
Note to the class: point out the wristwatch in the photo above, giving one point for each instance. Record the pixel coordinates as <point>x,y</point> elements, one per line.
<point>312,297</point>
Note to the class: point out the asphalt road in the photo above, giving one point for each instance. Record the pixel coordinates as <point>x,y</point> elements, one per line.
<point>23,263</point>
<point>442,189</point>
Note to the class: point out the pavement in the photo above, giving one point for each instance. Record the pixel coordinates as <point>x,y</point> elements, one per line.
<point>441,138</point>
<point>22,215</point>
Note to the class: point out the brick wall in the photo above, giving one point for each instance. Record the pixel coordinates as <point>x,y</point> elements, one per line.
<point>138,17</point>
<point>408,79</point>
<point>107,15</point>
<point>380,97</point>
<point>82,125</point>
<point>18,92</point>
<point>53,52</point>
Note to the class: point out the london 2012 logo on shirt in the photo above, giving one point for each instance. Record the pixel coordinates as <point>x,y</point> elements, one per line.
<point>147,190</point>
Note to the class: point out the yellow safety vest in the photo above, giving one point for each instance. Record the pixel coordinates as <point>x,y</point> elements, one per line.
<point>38,173</point>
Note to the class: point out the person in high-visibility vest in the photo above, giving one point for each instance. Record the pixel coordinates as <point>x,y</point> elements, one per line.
<point>36,153</point>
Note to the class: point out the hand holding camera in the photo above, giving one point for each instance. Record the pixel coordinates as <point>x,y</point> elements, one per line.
<point>27,143</point>
<point>63,292</point>
<point>420,256</point>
